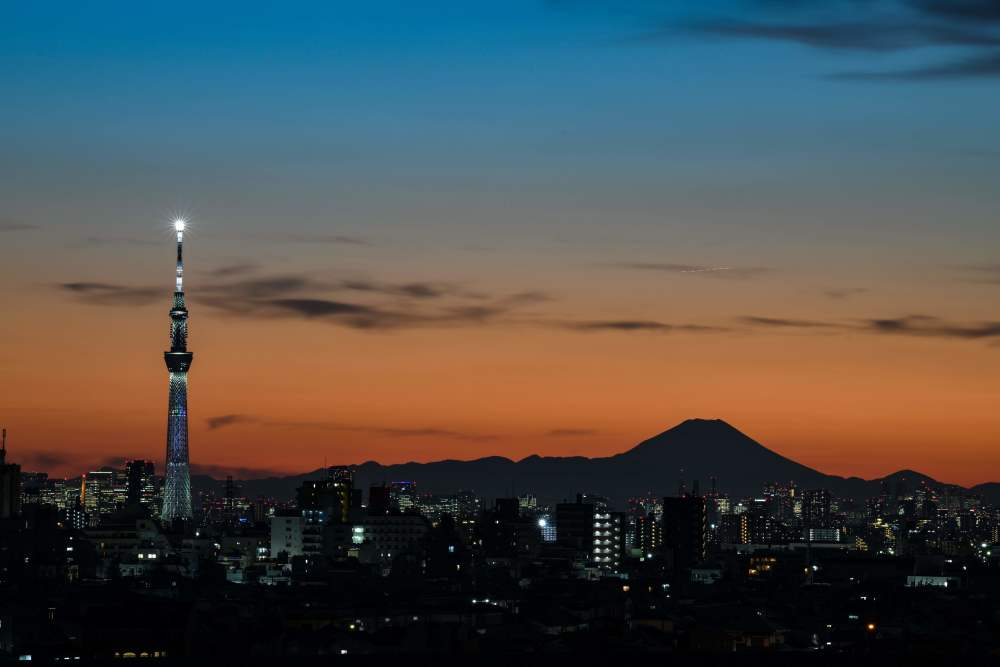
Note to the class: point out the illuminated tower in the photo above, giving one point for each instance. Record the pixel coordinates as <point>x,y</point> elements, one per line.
<point>177,484</point>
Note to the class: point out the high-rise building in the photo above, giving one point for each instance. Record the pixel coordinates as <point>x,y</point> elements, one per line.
<point>75,517</point>
<point>505,532</point>
<point>547,525</point>
<point>733,529</point>
<point>434,507</point>
<point>379,500</point>
<point>816,509</point>
<point>119,487</point>
<point>575,525</point>
<point>140,486</point>
<point>685,530</point>
<point>469,504</point>
<point>177,486</point>
<point>10,483</point>
<point>97,493</point>
<point>647,535</point>
<point>32,484</point>
<point>389,536</point>
<point>609,538</point>
<point>61,493</point>
<point>287,533</point>
<point>329,499</point>
<point>403,496</point>
<point>757,525</point>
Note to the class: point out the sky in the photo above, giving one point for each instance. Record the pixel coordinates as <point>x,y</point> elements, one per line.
<point>451,230</point>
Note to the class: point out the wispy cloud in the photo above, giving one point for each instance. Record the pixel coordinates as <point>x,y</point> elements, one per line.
<point>839,293</point>
<point>787,323</point>
<point>118,240</point>
<point>970,10</point>
<point>16,227</point>
<point>46,460</point>
<point>873,35</point>
<point>220,470</point>
<point>707,270</point>
<point>74,463</point>
<point>981,273</point>
<point>571,433</point>
<point>386,306</point>
<point>224,421</point>
<point>620,325</point>
<point>233,270</point>
<point>918,326</point>
<point>414,290</point>
<point>983,66</point>
<point>294,237</point>
<point>108,294</point>
<point>872,28</point>
<point>380,305</point>
<point>933,327</point>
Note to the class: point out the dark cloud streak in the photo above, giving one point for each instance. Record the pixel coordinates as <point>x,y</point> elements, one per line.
<point>916,326</point>
<point>707,271</point>
<point>16,227</point>
<point>107,294</point>
<point>973,67</point>
<point>223,421</point>
<point>873,27</point>
<point>853,36</point>
<point>845,292</point>
<point>971,10</point>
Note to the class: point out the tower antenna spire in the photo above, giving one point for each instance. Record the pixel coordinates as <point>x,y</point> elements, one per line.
<point>179,228</point>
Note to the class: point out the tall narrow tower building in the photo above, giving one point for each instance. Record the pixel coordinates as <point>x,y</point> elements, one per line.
<point>177,482</point>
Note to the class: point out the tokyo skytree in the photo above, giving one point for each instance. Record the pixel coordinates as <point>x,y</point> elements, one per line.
<point>177,484</point>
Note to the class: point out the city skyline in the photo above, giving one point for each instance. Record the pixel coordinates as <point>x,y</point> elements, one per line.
<point>553,228</point>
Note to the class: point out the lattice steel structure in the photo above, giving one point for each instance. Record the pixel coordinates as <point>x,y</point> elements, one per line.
<point>177,484</point>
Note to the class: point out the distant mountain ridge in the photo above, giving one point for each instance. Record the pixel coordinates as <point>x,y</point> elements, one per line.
<point>696,449</point>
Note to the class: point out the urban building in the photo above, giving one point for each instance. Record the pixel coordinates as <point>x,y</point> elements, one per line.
<point>575,525</point>
<point>388,536</point>
<point>97,493</point>
<point>10,483</point>
<point>287,534</point>
<point>379,500</point>
<point>504,532</point>
<point>684,531</point>
<point>327,499</point>
<point>816,509</point>
<point>140,483</point>
<point>403,496</point>
<point>648,538</point>
<point>609,538</point>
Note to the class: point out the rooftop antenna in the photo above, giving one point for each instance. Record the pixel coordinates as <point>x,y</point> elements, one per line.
<point>3,447</point>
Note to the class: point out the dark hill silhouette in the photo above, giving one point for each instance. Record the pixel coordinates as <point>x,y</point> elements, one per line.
<point>990,491</point>
<point>697,449</point>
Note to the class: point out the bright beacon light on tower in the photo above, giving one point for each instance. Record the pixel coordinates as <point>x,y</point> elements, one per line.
<point>179,225</point>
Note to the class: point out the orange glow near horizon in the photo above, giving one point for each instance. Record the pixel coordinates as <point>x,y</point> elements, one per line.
<point>315,393</point>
